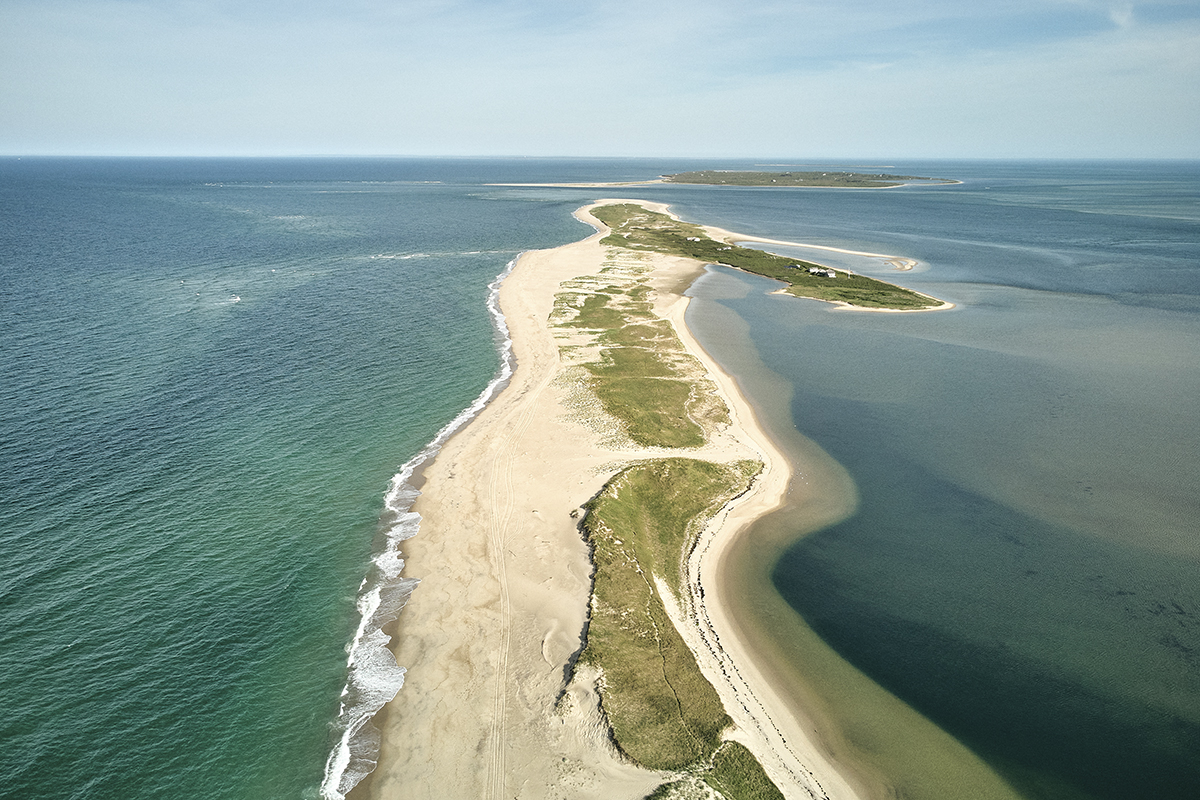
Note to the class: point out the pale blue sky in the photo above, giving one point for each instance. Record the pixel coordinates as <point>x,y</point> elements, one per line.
<point>814,78</point>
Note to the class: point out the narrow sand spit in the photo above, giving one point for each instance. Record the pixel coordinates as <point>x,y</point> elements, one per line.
<point>899,263</point>
<point>489,634</point>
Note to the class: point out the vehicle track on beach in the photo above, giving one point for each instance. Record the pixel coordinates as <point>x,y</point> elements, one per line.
<point>502,502</point>
<point>502,498</point>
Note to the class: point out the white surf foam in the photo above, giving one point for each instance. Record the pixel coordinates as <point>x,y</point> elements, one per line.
<point>373,676</point>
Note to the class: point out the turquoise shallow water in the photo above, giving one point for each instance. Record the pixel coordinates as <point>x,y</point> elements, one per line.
<point>213,369</point>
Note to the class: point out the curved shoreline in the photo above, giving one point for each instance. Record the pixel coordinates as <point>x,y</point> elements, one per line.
<point>493,628</point>
<point>373,676</point>
<point>659,181</point>
<point>900,263</point>
<point>766,727</point>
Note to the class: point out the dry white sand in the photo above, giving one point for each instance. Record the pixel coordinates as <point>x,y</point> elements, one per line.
<point>505,578</point>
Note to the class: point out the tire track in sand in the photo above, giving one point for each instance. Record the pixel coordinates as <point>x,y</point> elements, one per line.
<point>502,499</point>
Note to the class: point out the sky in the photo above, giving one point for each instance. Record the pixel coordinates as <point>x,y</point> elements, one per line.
<point>657,78</point>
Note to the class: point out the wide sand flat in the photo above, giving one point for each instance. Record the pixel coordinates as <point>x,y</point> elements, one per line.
<point>505,579</point>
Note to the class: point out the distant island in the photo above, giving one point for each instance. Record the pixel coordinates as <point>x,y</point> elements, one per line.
<point>858,180</point>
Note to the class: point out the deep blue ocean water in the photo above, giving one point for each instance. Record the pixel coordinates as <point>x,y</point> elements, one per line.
<point>213,369</point>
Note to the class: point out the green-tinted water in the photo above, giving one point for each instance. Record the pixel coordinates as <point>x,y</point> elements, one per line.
<point>213,369</point>
<point>1023,565</point>
<point>211,372</point>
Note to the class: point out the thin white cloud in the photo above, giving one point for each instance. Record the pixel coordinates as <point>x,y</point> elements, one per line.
<point>1031,77</point>
<point>1121,15</point>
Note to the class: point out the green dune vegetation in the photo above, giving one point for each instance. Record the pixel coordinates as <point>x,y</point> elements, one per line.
<point>860,180</point>
<point>663,712</point>
<point>638,228</point>
<point>643,377</point>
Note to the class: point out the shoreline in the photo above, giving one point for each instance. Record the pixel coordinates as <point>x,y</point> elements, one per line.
<point>660,181</point>
<point>385,590</point>
<point>900,263</point>
<point>883,746</point>
<point>496,623</point>
<point>778,738</point>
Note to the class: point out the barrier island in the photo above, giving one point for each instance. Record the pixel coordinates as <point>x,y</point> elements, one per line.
<point>827,180</point>
<point>569,638</point>
<point>636,227</point>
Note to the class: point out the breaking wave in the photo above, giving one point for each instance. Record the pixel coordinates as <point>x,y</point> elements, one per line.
<point>374,677</point>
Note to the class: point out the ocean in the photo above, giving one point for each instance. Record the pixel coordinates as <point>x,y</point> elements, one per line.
<point>217,374</point>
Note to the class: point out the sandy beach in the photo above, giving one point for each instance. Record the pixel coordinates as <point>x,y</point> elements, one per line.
<point>491,633</point>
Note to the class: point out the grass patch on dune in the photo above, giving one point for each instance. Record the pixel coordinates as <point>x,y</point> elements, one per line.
<point>596,313</point>
<point>636,227</point>
<point>647,334</point>
<point>737,775</point>
<point>653,409</point>
<point>664,713</point>
<point>644,377</point>
<point>631,362</point>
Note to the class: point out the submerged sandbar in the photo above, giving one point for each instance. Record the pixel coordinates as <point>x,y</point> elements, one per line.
<point>825,179</point>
